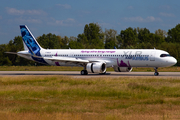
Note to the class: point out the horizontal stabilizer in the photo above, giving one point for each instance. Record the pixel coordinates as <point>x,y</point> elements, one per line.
<point>23,53</point>
<point>11,53</point>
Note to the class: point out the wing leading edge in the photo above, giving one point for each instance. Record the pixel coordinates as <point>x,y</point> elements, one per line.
<point>67,59</point>
<point>72,60</point>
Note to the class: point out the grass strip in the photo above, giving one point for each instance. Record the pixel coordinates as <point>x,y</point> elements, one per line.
<point>109,98</point>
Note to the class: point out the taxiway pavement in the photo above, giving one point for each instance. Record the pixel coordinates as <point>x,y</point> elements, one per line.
<point>77,74</point>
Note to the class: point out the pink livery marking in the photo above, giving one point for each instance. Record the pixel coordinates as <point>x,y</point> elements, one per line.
<point>122,64</point>
<point>56,54</point>
<point>57,64</point>
<point>83,51</point>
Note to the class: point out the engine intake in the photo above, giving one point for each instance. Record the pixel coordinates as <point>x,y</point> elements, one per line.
<point>122,69</point>
<point>97,67</point>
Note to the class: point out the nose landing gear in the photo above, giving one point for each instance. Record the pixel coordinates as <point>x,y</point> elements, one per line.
<point>156,72</point>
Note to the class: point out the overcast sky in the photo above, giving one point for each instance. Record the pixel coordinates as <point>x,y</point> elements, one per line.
<point>68,17</point>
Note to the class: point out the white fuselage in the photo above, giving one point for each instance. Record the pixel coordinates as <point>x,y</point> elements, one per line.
<point>112,57</point>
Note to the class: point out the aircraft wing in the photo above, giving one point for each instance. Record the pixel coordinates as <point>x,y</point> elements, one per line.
<point>74,60</point>
<point>67,60</point>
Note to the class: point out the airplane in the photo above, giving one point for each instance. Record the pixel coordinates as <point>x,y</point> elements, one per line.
<point>94,60</point>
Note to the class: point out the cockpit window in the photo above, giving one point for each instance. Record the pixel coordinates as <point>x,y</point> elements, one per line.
<point>164,55</point>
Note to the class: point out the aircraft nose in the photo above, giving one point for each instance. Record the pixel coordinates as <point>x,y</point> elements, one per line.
<point>173,61</point>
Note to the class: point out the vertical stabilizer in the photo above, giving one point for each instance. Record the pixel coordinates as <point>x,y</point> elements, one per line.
<point>29,41</point>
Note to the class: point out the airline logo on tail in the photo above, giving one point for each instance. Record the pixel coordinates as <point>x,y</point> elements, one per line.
<point>30,41</point>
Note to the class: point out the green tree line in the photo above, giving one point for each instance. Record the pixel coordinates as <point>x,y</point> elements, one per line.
<point>93,37</point>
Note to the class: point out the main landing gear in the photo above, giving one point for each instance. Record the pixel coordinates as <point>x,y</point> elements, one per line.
<point>84,72</point>
<point>156,72</point>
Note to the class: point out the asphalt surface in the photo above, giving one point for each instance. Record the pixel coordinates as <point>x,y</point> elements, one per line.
<point>77,74</point>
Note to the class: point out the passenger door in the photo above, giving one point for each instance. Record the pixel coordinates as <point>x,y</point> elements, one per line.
<point>152,56</point>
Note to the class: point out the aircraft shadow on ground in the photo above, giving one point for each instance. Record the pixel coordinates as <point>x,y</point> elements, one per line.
<point>89,75</point>
<point>108,74</point>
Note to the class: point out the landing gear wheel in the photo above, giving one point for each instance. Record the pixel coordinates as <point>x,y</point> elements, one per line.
<point>84,72</point>
<point>156,74</point>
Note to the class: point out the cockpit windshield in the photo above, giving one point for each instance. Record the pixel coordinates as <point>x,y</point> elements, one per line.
<point>164,55</point>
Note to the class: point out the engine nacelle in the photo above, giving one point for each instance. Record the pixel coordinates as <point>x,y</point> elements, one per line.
<point>122,69</point>
<point>97,67</point>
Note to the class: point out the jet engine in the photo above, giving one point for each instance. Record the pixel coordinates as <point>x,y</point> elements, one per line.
<point>97,67</point>
<point>122,69</point>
